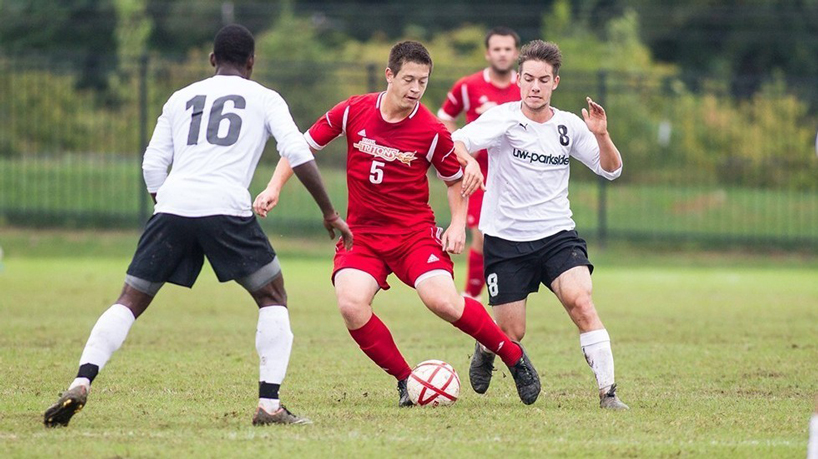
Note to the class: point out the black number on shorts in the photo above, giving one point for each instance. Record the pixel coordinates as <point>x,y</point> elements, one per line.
<point>563,130</point>
<point>215,119</point>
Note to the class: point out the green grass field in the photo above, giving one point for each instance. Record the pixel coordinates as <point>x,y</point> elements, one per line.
<point>715,352</point>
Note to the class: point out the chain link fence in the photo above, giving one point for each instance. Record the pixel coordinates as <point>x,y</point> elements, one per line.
<point>70,155</point>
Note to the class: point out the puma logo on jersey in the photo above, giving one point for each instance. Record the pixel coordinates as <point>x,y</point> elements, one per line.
<point>524,126</point>
<point>362,133</point>
<point>432,259</point>
<point>369,146</point>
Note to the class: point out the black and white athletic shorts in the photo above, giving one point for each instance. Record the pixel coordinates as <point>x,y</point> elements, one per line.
<point>172,248</point>
<point>515,269</point>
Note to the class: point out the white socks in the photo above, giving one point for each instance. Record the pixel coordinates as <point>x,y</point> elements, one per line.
<point>274,341</point>
<point>106,337</point>
<point>812,446</point>
<point>596,345</point>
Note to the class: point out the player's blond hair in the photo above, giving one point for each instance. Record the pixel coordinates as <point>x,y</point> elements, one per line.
<point>538,50</point>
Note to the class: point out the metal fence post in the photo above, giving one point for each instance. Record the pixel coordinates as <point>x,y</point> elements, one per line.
<point>602,182</point>
<point>143,136</point>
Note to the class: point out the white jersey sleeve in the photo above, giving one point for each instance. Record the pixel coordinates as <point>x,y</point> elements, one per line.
<point>289,140</point>
<point>484,132</point>
<point>159,154</point>
<point>585,148</point>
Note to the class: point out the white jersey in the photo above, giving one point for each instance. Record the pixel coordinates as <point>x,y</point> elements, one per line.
<point>213,133</point>
<point>527,185</point>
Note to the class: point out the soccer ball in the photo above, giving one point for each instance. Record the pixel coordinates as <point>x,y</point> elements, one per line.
<point>433,382</point>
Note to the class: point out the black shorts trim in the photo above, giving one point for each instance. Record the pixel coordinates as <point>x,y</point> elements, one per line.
<point>513,270</point>
<point>172,248</point>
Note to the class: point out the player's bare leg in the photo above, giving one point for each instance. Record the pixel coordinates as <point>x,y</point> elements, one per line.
<point>274,343</point>
<point>574,288</point>
<point>439,294</point>
<point>106,337</point>
<point>510,317</point>
<point>355,290</point>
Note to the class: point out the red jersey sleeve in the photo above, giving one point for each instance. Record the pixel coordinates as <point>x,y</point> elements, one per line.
<point>454,103</point>
<point>443,157</point>
<point>328,127</point>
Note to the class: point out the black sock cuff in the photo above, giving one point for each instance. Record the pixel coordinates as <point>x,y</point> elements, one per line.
<point>88,370</point>
<point>268,390</point>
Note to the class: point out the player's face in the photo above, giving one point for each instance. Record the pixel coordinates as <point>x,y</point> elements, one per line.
<point>501,53</point>
<point>407,87</point>
<point>537,82</point>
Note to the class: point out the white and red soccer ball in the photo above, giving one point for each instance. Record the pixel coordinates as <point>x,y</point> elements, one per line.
<point>433,383</point>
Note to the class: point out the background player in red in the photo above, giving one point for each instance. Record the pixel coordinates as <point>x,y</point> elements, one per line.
<point>392,141</point>
<point>473,95</point>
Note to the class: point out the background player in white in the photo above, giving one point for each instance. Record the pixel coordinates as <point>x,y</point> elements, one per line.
<point>213,133</point>
<point>473,95</point>
<point>529,233</point>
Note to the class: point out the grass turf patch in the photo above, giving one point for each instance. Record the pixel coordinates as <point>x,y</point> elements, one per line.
<point>714,361</point>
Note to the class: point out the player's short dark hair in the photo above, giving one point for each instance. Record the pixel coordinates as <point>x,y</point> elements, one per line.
<point>408,51</point>
<point>505,32</point>
<point>234,44</point>
<point>538,50</point>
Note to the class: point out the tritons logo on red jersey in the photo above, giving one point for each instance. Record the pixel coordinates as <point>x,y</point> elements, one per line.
<point>388,153</point>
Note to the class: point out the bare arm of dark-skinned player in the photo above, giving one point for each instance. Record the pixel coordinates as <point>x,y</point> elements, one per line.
<point>309,176</point>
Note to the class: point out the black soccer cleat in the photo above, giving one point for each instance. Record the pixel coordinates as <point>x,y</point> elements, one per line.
<point>404,399</point>
<point>481,368</point>
<point>282,416</point>
<point>69,404</point>
<point>526,378</point>
<point>609,400</point>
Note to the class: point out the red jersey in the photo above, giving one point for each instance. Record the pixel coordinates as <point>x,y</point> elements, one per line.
<point>387,162</point>
<point>474,94</point>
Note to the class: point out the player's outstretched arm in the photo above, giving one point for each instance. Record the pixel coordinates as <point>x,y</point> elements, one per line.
<point>597,122</point>
<point>454,238</point>
<point>268,199</point>
<point>472,176</point>
<point>309,176</point>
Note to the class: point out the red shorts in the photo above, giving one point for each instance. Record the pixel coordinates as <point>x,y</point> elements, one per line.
<point>408,255</point>
<point>476,199</point>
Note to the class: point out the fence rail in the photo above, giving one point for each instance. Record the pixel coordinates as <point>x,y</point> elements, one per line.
<point>71,157</point>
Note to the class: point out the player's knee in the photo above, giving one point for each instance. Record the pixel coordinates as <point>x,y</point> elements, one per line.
<point>583,309</point>
<point>514,330</point>
<point>449,309</point>
<point>352,309</point>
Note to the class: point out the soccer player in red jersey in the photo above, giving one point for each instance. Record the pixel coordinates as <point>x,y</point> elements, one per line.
<point>473,95</point>
<point>392,141</point>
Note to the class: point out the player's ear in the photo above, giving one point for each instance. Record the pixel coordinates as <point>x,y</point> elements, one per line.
<point>389,75</point>
<point>251,61</point>
<point>212,59</point>
<point>556,82</point>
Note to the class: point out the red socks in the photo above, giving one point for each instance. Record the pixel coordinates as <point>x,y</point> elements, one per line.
<point>474,274</point>
<point>377,343</point>
<point>476,322</point>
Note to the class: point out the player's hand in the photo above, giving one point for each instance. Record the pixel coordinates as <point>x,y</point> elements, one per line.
<point>472,179</point>
<point>595,117</point>
<point>265,201</point>
<point>337,223</point>
<point>454,239</point>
